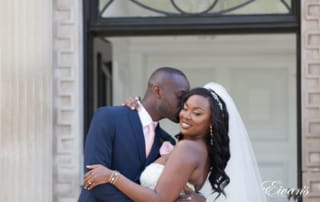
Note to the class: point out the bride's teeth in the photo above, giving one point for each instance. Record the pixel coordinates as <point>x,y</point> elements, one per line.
<point>185,125</point>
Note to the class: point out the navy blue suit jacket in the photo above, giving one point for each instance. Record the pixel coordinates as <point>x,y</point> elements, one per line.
<point>115,139</point>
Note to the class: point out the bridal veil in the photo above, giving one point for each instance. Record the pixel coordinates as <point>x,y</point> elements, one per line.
<point>242,168</point>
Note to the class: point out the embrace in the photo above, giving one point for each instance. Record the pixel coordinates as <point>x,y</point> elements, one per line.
<point>122,150</point>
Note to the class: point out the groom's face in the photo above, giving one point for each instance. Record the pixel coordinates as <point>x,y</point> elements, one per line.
<point>172,93</point>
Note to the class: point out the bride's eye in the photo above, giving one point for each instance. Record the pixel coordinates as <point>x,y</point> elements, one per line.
<point>197,113</point>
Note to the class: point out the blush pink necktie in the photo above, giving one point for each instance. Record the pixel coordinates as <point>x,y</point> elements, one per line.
<point>149,138</point>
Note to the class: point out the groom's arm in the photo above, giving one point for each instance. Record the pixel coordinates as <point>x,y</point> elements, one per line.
<point>98,147</point>
<point>98,150</point>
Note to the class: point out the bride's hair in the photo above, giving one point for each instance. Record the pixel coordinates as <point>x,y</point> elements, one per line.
<point>217,138</point>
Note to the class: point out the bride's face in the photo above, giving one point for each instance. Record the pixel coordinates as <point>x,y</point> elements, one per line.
<point>195,117</point>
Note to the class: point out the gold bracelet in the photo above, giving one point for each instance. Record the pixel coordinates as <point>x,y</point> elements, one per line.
<point>114,177</point>
<point>111,177</point>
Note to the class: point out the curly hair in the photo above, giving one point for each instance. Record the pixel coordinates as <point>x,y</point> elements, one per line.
<point>217,139</point>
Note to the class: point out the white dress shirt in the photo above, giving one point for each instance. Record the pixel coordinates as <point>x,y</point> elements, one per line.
<point>145,118</point>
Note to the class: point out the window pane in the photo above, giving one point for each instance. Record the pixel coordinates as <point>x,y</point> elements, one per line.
<point>158,8</point>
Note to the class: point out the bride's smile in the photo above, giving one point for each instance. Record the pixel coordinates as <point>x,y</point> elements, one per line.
<point>195,116</point>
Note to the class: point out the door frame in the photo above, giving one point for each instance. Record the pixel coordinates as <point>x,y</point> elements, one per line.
<point>94,26</point>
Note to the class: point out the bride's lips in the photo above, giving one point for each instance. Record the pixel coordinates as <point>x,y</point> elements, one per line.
<point>185,125</point>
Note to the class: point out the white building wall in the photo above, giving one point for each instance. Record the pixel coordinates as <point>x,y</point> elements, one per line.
<point>41,100</point>
<point>26,100</point>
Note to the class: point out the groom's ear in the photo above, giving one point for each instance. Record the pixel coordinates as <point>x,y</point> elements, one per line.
<point>157,92</point>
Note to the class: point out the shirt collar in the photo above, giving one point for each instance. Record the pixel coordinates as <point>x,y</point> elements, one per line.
<point>145,116</point>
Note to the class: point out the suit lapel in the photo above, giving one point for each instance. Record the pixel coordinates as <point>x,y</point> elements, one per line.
<point>138,133</point>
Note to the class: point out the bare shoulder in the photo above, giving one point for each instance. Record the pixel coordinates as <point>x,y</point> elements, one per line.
<point>188,144</point>
<point>190,147</point>
<point>185,155</point>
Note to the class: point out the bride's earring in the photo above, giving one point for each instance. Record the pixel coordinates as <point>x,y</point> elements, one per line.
<point>211,136</point>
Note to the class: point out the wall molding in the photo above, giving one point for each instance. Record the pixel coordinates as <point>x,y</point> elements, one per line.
<point>68,109</point>
<point>310,86</point>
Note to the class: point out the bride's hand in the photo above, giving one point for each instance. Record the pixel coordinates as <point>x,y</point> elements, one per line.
<point>132,103</point>
<point>97,175</point>
<point>191,196</point>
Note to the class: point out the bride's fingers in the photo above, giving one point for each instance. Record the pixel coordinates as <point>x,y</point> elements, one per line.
<point>184,198</point>
<point>88,178</point>
<point>88,175</point>
<point>91,171</point>
<point>136,103</point>
<point>127,102</point>
<point>96,176</point>
<point>86,181</point>
<point>93,166</point>
<point>132,103</point>
<point>92,182</point>
<point>91,185</point>
<point>187,189</point>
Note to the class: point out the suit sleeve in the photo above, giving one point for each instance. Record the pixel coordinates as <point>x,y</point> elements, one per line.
<point>98,149</point>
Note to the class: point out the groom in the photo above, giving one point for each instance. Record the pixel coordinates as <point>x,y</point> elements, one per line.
<point>116,138</point>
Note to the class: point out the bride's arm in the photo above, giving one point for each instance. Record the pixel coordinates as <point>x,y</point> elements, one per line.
<point>180,166</point>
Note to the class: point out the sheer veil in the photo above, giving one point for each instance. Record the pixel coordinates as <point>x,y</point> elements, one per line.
<point>242,168</point>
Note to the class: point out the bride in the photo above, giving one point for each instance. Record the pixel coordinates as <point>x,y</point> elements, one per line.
<point>242,168</point>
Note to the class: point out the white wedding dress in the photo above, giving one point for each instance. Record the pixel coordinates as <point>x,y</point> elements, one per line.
<point>149,177</point>
<point>242,168</point>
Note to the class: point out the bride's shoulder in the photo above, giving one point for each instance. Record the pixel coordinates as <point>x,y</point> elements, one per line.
<point>189,152</point>
<point>185,142</point>
<point>189,146</point>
